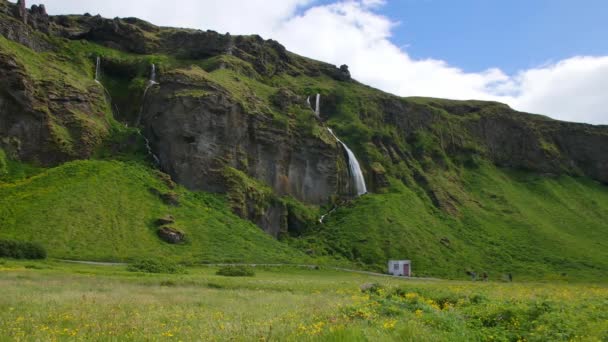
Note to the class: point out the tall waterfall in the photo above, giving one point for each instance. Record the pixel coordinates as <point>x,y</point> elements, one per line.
<point>97,66</point>
<point>355,168</point>
<point>151,83</point>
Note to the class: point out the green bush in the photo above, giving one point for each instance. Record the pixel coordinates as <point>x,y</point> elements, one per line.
<point>156,266</point>
<point>21,250</point>
<point>236,271</point>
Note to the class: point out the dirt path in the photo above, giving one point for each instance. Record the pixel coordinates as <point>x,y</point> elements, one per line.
<point>98,263</point>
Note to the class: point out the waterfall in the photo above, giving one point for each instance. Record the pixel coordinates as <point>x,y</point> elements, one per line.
<point>153,74</point>
<point>97,65</point>
<point>109,97</point>
<point>150,153</point>
<point>151,83</point>
<point>318,106</point>
<point>355,168</point>
<point>326,214</point>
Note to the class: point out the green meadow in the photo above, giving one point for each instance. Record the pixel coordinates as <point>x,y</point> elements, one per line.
<point>57,301</point>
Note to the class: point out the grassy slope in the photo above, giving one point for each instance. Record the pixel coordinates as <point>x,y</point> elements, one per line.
<point>103,210</point>
<point>531,226</point>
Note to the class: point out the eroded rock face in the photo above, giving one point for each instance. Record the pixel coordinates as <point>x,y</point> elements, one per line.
<point>544,145</point>
<point>198,129</point>
<point>45,122</point>
<point>195,137</point>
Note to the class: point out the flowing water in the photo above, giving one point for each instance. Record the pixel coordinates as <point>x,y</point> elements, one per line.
<point>97,74</point>
<point>355,168</point>
<point>318,106</point>
<point>97,66</point>
<point>151,82</point>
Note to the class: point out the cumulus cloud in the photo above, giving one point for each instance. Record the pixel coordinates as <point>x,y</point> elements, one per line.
<point>352,32</point>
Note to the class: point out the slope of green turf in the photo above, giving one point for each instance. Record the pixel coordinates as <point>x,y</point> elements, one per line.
<point>106,210</point>
<point>509,222</point>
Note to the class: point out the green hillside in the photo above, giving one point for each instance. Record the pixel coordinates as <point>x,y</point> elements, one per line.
<point>509,222</point>
<point>105,210</point>
<point>455,186</point>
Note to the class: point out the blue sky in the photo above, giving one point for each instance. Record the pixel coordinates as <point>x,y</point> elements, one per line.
<point>511,34</point>
<point>540,56</point>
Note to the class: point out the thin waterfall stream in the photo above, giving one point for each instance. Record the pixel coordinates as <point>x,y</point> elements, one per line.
<point>97,75</point>
<point>151,82</point>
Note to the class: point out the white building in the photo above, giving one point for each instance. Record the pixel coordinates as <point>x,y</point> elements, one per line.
<point>400,268</point>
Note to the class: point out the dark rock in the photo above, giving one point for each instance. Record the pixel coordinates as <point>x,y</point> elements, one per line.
<point>284,98</point>
<point>171,235</point>
<point>344,73</point>
<point>302,165</point>
<point>29,116</point>
<point>21,11</point>
<point>167,219</point>
<point>170,198</point>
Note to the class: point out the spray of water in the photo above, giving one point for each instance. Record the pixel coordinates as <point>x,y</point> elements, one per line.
<point>354,167</point>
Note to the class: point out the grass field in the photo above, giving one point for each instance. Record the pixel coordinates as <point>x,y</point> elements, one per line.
<point>58,301</point>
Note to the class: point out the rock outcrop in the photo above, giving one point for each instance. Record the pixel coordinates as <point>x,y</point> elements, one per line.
<point>44,121</point>
<point>171,235</point>
<point>198,129</point>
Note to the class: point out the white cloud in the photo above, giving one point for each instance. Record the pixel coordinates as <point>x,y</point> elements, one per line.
<point>351,32</point>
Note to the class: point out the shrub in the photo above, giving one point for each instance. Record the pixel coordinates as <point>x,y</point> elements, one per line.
<point>236,271</point>
<point>155,266</point>
<point>21,250</point>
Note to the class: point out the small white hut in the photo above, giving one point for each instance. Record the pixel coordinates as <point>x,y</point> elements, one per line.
<point>400,268</point>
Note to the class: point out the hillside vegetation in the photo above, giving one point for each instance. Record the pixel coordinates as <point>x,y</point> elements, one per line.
<point>106,210</point>
<point>455,186</point>
<point>509,222</point>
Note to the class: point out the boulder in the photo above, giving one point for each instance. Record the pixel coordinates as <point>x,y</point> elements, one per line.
<point>165,220</point>
<point>170,235</point>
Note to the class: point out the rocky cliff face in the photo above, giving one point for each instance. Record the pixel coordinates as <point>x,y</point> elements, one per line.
<point>199,129</point>
<point>230,115</point>
<point>45,116</point>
